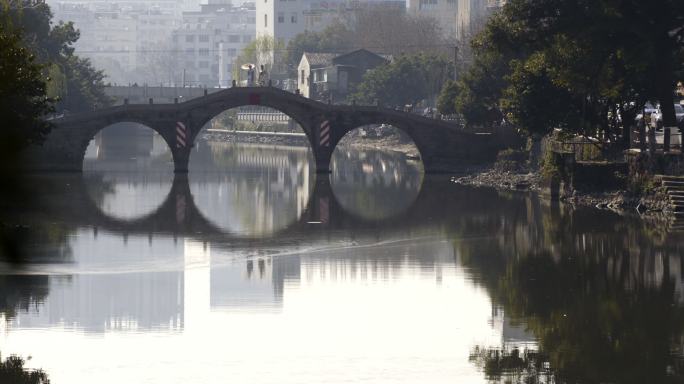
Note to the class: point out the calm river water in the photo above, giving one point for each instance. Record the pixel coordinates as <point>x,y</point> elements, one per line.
<point>253,269</point>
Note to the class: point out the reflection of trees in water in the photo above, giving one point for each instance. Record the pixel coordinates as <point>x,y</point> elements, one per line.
<point>602,296</point>
<point>21,293</point>
<point>374,184</point>
<point>12,371</point>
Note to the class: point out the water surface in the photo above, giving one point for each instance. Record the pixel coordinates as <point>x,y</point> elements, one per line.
<point>253,269</point>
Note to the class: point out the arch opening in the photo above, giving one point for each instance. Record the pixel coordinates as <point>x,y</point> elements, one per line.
<point>251,171</point>
<point>128,170</point>
<point>127,146</point>
<point>376,172</point>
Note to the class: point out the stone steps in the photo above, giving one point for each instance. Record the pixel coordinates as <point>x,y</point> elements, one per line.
<point>674,186</point>
<point>672,178</point>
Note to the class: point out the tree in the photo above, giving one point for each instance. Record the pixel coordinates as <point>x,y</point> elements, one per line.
<point>264,50</point>
<point>337,37</point>
<point>408,79</point>
<point>602,58</point>
<point>379,29</point>
<point>23,99</point>
<point>12,371</point>
<point>73,82</point>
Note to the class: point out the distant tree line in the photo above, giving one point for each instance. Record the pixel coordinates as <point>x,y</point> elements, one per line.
<point>585,66</point>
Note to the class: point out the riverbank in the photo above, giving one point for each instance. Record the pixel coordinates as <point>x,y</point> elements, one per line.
<point>653,201</point>
<point>391,142</point>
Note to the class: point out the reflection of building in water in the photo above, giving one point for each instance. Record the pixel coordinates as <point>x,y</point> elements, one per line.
<point>513,334</point>
<point>257,282</point>
<point>374,184</point>
<point>98,300</point>
<point>261,189</point>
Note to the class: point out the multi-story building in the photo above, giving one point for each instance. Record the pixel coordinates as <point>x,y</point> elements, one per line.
<point>209,40</point>
<point>473,14</point>
<point>285,19</point>
<point>329,76</point>
<point>444,11</point>
<point>458,19</point>
<point>124,38</point>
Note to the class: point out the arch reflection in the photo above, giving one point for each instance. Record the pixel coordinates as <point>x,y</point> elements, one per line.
<point>128,170</point>
<point>375,185</point>
<point>127,196</point>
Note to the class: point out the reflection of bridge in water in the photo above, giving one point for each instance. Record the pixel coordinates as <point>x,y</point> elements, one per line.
<point>178,214</point>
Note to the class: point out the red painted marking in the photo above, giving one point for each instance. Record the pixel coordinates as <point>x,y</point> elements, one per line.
<point>254,99</point>
<point>323,210</point>
<point>324,134</point>
<point>180,209</point>
<point>181,135</point>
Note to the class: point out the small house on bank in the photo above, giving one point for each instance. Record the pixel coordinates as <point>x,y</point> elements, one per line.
<point>325,76</point>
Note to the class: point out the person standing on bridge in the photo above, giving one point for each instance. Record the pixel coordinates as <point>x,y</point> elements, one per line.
<point>263,76</point>
<point>250,76</point>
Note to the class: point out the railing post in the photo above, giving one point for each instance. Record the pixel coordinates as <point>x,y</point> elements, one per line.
<point>151,101</point>
<point>667,131</point>
<point>651,140</point>
<point>175,100</point>
<point>206,92</point>
<point>234,83</point>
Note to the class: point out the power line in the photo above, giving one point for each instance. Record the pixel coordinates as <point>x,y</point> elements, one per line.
<point>196,50</point>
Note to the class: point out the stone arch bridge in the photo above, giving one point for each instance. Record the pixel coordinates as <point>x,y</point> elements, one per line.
<point>442,145</point>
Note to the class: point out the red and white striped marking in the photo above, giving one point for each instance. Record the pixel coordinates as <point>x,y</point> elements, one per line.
<point>324,136</point>
<point>181,135</point>
<point>323,210</point>
<point>180,209</point>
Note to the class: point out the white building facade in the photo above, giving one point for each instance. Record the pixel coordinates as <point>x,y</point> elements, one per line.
<point>209,41</point>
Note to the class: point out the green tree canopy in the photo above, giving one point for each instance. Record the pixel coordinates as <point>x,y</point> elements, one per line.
<point>597,62</point>
<point>23,98</point>
<point>408,79</point>
<point>72,81</point>
<point>381,30</point>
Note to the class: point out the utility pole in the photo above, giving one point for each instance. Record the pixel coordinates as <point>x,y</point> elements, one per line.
<point>455,62</point>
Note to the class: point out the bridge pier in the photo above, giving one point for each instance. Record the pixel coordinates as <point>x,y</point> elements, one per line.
<point>181,160</point>
<point>322,162</point>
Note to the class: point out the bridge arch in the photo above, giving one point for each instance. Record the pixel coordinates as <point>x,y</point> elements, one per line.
<point>124,125</point>
<point>296,107</point>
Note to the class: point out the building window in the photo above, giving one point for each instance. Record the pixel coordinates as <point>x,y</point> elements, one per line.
<point>232,52</point>
<point>203,38</point>
<point>427,4</point>
<point>204,64</point>
<point>204,78</point>
<point>234,38</point>
<point>189,38</point>
<point>281,17</point>
<point>293,18</point>
<point>203,52</point>
<point>265,20</point>
<point>246,38</point>
<point>302,79</point>
<point>190,51</point>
